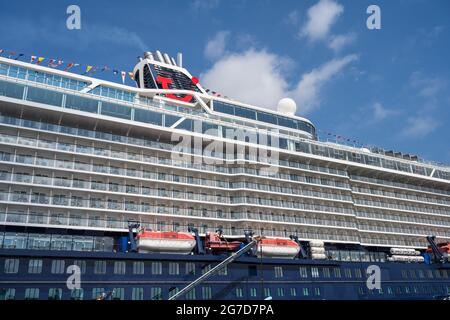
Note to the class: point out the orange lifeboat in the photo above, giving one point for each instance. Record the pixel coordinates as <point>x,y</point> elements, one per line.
<point>277,248</point>
<point>216,243</point>
<point>165,242</point>
<point>443,247</point>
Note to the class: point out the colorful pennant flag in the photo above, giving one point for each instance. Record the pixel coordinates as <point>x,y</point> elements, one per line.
<point>88,68</point>
<point>131,75</point>
<point>115,72</point>
<point>33,59</point>
<point>123,76</point>
<point>40,59</point>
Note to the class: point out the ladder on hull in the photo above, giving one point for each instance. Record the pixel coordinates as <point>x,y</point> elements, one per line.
<point>211,272</point>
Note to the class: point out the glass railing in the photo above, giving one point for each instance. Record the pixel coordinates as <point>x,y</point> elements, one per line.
<point>147,144</point>
<point>149,176</point>
<point>396,195</point>
<point>383,183</point>
<point>380,216</point>
<point>347,153</point>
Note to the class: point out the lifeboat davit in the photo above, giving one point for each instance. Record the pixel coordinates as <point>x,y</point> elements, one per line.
<point>277,248</point>
<point>165,242</point>
<point>216,243</point>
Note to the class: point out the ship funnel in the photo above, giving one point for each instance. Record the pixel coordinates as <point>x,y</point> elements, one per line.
<point>148,55</point>
<point>159,56</point>
<point>167,59</point>
<point>180,59</point>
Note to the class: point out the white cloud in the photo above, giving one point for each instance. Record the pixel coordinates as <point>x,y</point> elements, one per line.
<point>381,113</point>
<point>215,48</point>
<point>258,77</point>
<point>427,87</point>
<point>306,93</point>
<point>338,42</point>
<point>293,18</point>
<point>321,17</point>
<point>252,76</point>
<point>419,127</point>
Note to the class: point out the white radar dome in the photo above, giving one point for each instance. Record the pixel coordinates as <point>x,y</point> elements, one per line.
<point>287,106</point>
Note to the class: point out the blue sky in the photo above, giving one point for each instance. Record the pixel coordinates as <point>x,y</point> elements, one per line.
<point>387,87</point>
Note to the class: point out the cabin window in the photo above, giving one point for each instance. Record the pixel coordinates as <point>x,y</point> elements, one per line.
<point>293,292</point>
<point>317,292</point>
<point>97,293</point>
<point>348,273</point>
<point>156,268</point>
<point>404,274</point>
<point>137,294</point>
<point>430,274</point>
<point>81,264</point>
<point>54,294</point>
<point>303,272</point>
<point>358,273</point>
<point>35,266</point>
<point>77,294</point>
<point>190,268</point>
<point>119,267</point>
<point>239,293</point>
<point>58,266</point>
<point>118,294</point>
<point>100,267</point>
<point>280,292</point>
<point>278,272</point>
<point>174,268</point>
<point>267,292</point>
<point>253,292</point>
<point>315,272</point>
<point>138,267</point>
<point>206,293</point>
<point>191,295</point>
<point>306,292</point>
<point>223,271</point>
<point>32,294</point>
<point>11,265</point>
<point>326,273</point>
<point>390,291</point>
<point>7,294</point>
<point>337,272</point>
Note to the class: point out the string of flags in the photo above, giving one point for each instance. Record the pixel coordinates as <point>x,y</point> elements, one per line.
<point>329,135</point>
<point>66,66</point>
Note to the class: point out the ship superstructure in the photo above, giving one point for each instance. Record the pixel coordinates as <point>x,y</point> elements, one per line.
<point>81,157</point>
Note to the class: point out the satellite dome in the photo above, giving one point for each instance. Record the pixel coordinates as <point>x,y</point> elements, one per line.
<point>287,106</point>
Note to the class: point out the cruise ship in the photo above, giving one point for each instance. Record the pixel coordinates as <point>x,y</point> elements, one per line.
<point>168,190</point>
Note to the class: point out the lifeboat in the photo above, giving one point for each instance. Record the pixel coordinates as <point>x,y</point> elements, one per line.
<point>443,247</point>
<point>216,243</point>
<point>277,248</point>
<point>165,242</point>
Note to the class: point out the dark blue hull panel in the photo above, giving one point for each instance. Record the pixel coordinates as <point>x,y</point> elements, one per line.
<point>36,274</point>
